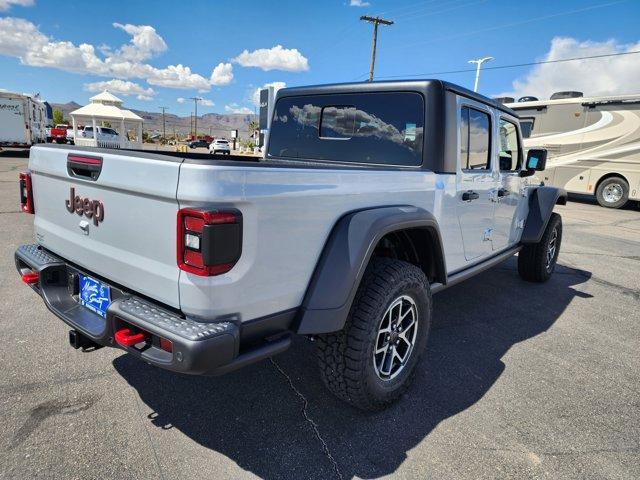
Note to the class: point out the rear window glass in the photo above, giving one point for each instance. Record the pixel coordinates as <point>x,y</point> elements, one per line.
<point>379,128</point>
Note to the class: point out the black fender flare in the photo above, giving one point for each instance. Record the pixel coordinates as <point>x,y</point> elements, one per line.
<point>541,202</point>
<point>345,257</point>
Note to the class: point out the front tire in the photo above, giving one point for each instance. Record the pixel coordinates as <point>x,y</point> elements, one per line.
<point>613,192</point>
<point>537,262</point>
<point>370,363</point>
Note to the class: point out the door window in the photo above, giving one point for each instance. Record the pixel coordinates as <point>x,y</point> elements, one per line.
<point>509,146</point>
<point>475,138</point>
<point>526,126</point>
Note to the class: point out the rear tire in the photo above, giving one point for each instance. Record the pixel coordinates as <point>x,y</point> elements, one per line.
<point>537,262</point>
<point>613,192</point>
<point>390,294</point>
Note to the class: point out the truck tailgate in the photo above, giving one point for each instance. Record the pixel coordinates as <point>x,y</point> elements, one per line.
<point>134,244</point>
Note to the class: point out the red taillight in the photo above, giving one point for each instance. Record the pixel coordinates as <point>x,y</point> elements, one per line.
<point>208,243</point>
<point>166,345</point>
<point>26,193</point>
<point>30,277</point>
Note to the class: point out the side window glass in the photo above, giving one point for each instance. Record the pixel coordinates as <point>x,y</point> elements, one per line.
<point>464,138</point>
<point>526,126</point>
<point>475,140</point>
<point>509,146</point>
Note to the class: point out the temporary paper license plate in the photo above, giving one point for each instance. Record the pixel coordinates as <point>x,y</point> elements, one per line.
<point>94,295</point>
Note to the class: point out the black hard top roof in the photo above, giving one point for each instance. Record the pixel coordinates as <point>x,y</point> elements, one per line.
<point>393,85</point>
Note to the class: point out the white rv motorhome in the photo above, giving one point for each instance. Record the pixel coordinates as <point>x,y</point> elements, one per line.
<point>23,120</point>
<point>593,144</point>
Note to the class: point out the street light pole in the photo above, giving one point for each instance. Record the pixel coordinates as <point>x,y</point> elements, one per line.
<point>376,21</point>
<point>479,63</point>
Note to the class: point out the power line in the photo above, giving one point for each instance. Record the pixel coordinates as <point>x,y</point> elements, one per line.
<point>507,25</point>
<point>405,7</point>
<point>450,7</point>
<point>516,65</point>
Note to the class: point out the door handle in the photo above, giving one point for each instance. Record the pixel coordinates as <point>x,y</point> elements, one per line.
<point>470,195</point>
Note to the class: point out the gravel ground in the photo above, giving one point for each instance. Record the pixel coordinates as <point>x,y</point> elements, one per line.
<point>519,381</point>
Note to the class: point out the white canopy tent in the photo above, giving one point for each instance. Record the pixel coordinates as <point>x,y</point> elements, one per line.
<point>106,107</point>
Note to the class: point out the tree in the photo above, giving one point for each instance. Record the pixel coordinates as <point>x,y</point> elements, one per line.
<point>58,117</point>
<point>253,126</point>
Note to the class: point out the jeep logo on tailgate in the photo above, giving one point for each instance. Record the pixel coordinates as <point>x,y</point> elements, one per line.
<point>85,206</point>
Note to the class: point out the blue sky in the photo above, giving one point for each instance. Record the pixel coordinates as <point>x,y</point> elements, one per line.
<point>321,42</point>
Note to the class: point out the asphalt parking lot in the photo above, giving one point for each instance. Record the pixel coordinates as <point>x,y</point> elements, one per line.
<point>520,381</point>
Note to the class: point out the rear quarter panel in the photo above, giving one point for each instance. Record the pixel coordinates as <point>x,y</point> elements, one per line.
<point>288,214</point>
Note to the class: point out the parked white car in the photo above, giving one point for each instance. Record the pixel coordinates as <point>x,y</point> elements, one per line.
<point>104,133</point>
<point>219,146</point>
<point>70,136</point>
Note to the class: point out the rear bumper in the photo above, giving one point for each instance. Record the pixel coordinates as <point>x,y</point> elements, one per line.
<point>198,348</point>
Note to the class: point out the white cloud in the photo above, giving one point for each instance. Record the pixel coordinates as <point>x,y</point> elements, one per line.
<point>181,99</point>
<point>22,39</point>
<point>235,108</point>
<point>359,3</point>
<point>121,87</point>
<point>145,43</point>
<point>255,96</point>
<point>177,76</point>
<point>601,76</point>
<point>276,58</point>
<point>7,4</point>
<point>222,74</point>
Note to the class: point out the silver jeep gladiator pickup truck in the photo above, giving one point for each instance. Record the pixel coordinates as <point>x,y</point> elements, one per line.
<point>371,198</point>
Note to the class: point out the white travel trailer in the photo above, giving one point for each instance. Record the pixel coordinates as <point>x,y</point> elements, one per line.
<point>23,120</point>
<point>593,144</point>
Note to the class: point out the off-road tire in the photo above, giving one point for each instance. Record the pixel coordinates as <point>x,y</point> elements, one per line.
<point>533,264</point>
<point>346,357</point>
<point>608,183</point>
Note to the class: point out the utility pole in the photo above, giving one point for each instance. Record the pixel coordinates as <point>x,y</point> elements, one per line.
<point>164,137</point>
<point>376,21</point>
<point>195,118</point>
<point>479,63</point>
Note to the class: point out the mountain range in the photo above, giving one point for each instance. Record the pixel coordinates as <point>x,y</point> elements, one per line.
<point>215,124</point>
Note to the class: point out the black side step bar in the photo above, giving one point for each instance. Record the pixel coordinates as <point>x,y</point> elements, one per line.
<point>461,276</point>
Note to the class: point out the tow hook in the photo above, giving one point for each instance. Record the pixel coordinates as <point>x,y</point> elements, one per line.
<point>126,337</point>
<point>78,340</point>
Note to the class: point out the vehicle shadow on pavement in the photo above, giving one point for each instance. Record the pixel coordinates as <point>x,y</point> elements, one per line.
<point>23,153</point>
<point>265,424</point>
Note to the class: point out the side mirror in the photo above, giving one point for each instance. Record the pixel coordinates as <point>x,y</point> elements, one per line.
<point>536,162</point>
